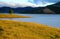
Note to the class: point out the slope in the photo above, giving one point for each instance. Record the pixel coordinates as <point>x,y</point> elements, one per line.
<point>27,30</point>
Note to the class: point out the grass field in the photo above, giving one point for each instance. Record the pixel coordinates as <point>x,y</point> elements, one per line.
<point>12,16</point>
<point>27,30</point>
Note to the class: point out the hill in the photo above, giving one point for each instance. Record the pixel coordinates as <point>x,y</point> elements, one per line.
<point>55,7</point>
<point>23,10</point>
<point>50,9</point>
<point>27,30</point>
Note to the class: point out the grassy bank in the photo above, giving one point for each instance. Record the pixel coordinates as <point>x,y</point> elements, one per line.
<point>27,30</point>
<point>12,16</point>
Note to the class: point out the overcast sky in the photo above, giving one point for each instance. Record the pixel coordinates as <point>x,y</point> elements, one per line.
<point>24,3</point>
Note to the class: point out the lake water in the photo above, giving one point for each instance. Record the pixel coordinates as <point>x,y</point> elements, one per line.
<point>47,19</point>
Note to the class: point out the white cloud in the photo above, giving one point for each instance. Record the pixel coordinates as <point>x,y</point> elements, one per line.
<point>40,3</point>
<point>7,4</point>
<point>24,4</point>
<point>44,4</point>
<point>21,4</point>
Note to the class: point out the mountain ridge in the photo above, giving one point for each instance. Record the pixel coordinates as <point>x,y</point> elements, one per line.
<point>50,9</point>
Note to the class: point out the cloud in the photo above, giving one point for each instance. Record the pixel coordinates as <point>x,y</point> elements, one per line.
<point>41,2</point>
<point>32,3</point>
<point>52,1</point>
<point>7,4</point>
<point>21,4</point>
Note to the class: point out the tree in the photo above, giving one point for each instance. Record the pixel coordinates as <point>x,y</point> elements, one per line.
<point>10,11</point>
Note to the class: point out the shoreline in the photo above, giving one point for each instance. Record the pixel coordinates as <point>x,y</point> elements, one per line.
<point>13,16</point>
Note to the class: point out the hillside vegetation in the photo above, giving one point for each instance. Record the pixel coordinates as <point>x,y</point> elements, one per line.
<point>27,30</point>
<point>12,16</point>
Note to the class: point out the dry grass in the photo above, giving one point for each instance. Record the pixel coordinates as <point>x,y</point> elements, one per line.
<point>27,30</point>
<point>12,16</point>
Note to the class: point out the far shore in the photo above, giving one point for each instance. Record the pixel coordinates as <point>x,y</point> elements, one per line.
<point>13,16</point>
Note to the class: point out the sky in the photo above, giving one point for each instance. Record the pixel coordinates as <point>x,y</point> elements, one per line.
<point>25,3</point>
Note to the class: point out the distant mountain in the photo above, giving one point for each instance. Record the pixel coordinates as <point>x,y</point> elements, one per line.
<point>4,9</point>
<point>55,7</point>
<point>50,9</point>
<point>28,10</point>
<point>58,3</point>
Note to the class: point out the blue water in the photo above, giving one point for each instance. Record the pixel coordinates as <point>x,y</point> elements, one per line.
<point>47,19</point>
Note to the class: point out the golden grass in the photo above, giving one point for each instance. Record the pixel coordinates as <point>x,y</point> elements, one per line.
<point>27,30</point>
<point>12,16</point>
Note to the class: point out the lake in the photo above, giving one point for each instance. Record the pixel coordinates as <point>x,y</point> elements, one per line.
<point>47,19</point>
